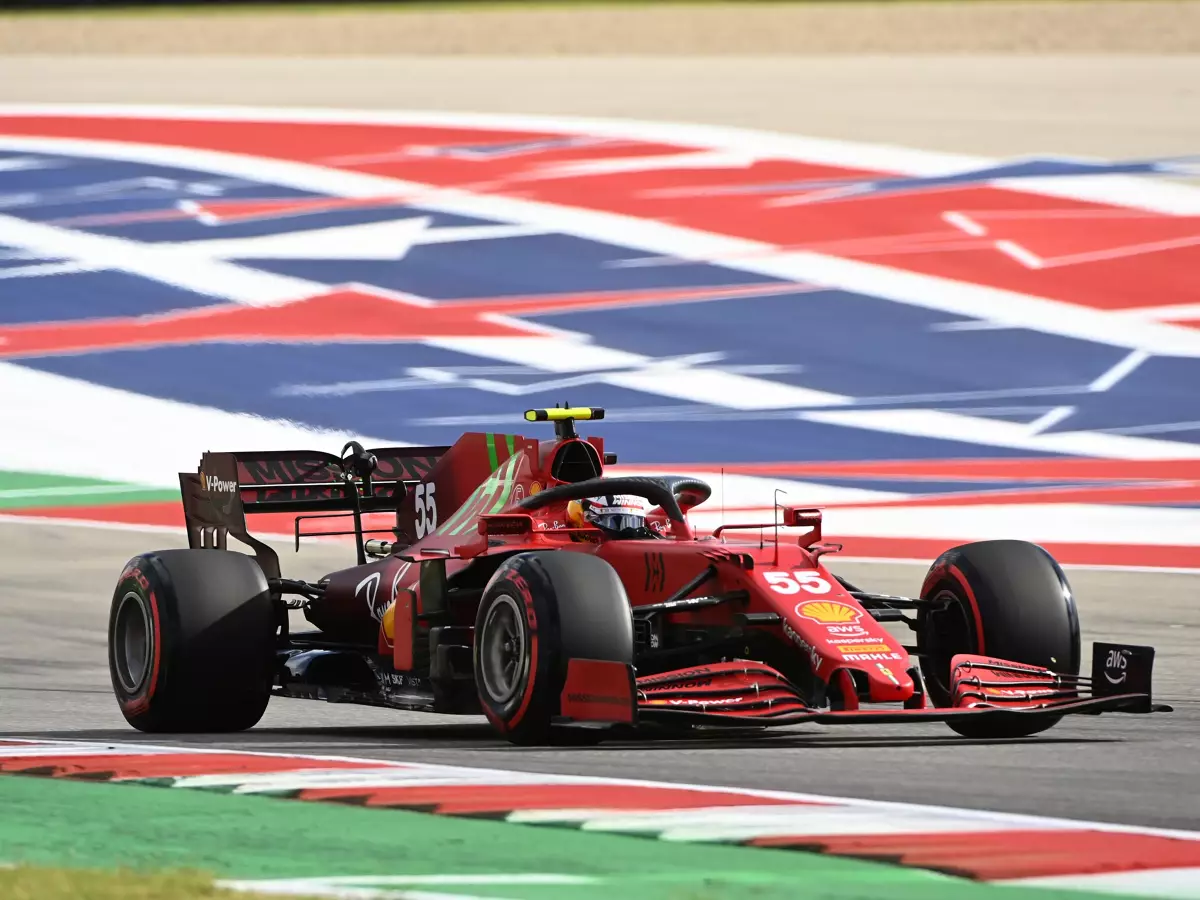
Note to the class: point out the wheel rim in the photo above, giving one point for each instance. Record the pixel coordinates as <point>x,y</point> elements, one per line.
<point>947,633</point>
<point>502,650</point>
<point>131,642</point>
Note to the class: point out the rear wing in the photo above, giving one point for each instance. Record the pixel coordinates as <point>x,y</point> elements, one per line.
<point>229,486</point>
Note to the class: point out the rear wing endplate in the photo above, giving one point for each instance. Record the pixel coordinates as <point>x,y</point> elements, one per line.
<point>229,486</point>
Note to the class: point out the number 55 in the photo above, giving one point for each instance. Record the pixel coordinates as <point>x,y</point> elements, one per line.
<point>426,509</point>
<point>792,582</point>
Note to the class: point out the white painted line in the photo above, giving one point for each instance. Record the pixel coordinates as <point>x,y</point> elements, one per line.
<point>963,222</point>
<point>731,823</point>
<point>703,159</point>
<point>1020,254</point>
<point>1172,198</point>
<point>1156,428</point>
<point>1114,375</point>
<point>999,433</point>
<point>1117,547</point>
<point>935,293</point>
<point>390,887</point>
<point>285,888</point>
<point>1050,418</point>
<point>82,490</point>
<point>1177,312</point>
<point>475,775</point>
<point>71,426</point>
<point>205,277</point>
<point>43,269</point>
<point>340,779</point>
<point>1120,252</point>
<point>1117,526</point>
<point>1179,884</point>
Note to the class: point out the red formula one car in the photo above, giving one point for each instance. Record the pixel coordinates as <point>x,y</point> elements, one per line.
<point>521,582</point>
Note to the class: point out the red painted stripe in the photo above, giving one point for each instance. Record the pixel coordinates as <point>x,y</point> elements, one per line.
<point>1178,492</point>
<point>1022,469</point>
<point>165,765</point>
<point>1145,494</point>
<point>990,856</point>
<point>169,514</point>
<point>482,799</point>
<point>1097,260</point>
<point>1172,556</point>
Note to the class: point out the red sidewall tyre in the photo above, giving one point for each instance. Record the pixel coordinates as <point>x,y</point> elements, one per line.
<point>191,641</point>
<point>1007,599</point>
<point>546,607</point>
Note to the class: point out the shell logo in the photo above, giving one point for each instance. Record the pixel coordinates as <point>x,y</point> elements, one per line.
<point>389,623</point>
<point>828,612</point>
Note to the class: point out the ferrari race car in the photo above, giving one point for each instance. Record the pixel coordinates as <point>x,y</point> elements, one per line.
<point>519,581</point>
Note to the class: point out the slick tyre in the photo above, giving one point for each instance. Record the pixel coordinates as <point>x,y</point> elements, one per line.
<point>191,640</point>
<point>538,611</point>
<point>1007,599</point>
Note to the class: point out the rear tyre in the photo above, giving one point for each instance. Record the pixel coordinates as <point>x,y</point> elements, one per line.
<point>538,611</point>
<point>191,641</point>
<point>1007,599</point>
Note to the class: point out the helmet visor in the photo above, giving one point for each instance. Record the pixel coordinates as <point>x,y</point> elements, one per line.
<point>618,522</point>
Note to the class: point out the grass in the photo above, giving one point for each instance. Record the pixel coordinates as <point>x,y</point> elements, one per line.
<point>49,883</point>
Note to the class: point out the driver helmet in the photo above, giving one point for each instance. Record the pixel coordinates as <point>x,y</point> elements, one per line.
<point>615,513</point>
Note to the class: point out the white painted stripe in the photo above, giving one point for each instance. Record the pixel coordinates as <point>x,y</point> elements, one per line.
<point>1086,523</point>
<point>39,271</point>
<point>83,750</point>
<point>55,522</point>
<point>351,779</point>
<point>389,240</point>
<point>1050,418</point>
<point>1020,254</point>
<point>1016,310</point>
<point>996,819</point>
<point>1181,883</point>
<point>740,491</point>
<point>1118,372</point>
<point>1177,311</point>
<point>963,222</point>
<point>998,433</point>
<point>704,159</point>
<point>498,878</point>
<point>286,888</point>
<point>725,823</point>
<point>60,417</point>
<point>82,490</point>
<point>24,163</point>
<point>1121,190</point>
<point>206,277</point>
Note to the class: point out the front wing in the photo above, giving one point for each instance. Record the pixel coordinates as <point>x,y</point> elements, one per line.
<point>750,694</point>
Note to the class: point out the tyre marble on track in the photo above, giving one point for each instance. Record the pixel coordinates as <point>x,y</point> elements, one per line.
<point>56,585</point>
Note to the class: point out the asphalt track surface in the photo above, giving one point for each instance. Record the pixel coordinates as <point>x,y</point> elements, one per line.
<point>56,582</point>
<point>57,585</point>
<point>1112,106</point>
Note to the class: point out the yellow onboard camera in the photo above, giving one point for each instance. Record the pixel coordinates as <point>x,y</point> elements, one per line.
<point>559,414</point>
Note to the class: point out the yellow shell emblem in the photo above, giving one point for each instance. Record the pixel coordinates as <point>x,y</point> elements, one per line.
<point>389,623</point>
<point>828,612</point>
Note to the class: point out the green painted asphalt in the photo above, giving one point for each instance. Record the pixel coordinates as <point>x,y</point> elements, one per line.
<point>80,824</point>
<point>30,490</point>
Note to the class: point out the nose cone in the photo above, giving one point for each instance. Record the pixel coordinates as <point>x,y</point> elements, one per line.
<point>890,680</point>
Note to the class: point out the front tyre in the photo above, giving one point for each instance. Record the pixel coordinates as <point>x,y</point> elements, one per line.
<point>538,611</point>
<point>1006,599</point>
<point>191,641</point>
